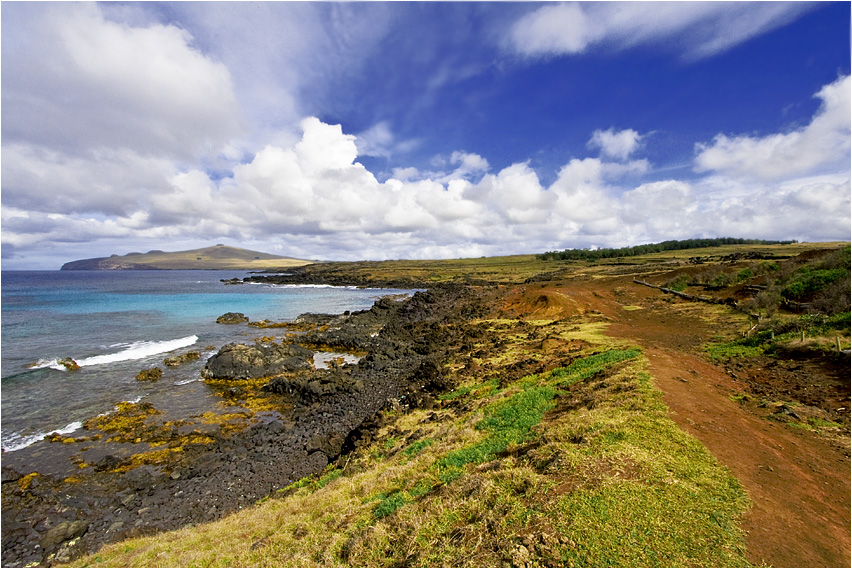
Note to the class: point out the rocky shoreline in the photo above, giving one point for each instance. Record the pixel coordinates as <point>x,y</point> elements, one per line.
<point>323,415</point>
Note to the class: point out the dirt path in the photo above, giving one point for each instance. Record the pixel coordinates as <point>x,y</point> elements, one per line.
<point>798,482</point>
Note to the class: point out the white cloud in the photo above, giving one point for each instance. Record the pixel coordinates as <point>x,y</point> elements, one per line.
<point>661,208</point>
<point>616,144</point>
<point>552,29</point>
<point>824,143</point>
<point>313,199</point>
<point>79,82</point>
<point>700,29</point>
<point>107,181</point>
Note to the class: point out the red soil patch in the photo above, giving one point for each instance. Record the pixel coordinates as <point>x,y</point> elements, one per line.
<point>541,301</point>
<point>798,481</point>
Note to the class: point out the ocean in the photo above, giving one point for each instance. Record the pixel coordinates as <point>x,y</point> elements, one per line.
<point>116,323</point>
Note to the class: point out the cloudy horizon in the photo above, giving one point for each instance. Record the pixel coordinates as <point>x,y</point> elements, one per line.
<point>350,131</point>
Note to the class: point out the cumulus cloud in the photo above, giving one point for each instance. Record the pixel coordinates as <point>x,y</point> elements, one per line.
<point>615,144</point>
<point>313,196</point>
<point>79,82</point>
<point>699,29</point>
<point>823,143</point>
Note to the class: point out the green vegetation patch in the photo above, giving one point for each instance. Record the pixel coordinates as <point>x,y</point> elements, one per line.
<point>506,422</point>
<point>773,335</point>
<point>674,245</point>
<point>526,477</point>
<point>588,366</point>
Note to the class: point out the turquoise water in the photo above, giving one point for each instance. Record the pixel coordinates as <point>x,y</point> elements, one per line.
<point>115,323</point>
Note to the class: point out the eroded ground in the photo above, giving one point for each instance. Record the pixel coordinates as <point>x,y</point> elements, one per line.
<point>780,425</point>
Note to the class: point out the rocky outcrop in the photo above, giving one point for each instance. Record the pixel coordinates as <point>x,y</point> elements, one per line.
<point>152,374</point>
<point>69,364</point>
<point>243,361</point>
<point>232,318</point>
<point>328,413</point>
<point>180,359</point>
<point>311,387</point>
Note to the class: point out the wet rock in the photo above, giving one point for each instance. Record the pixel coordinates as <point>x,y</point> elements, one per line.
<point>69,364</point>
<point>152,374</point>
<point>232,317</point>
<point>180,359</point>
<point>242,361</point>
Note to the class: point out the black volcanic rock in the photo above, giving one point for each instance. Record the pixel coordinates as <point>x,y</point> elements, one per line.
<point>232,318</point>
<point>242,361</point>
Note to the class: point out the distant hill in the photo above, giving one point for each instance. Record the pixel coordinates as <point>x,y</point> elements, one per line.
<point>216,257</point>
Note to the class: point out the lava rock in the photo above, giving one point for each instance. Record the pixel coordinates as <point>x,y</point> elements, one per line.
<point>180,359</point>
<point>63,531</point>
<point>9,474</point>
<point>242,361</point>
<point>232,317</point>
<point>69,364</point>
<point>152,374</point>
<point>109,462</point>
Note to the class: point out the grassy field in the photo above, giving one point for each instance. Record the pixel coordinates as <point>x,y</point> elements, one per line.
<point>578,466</point>
<point>518,268</point>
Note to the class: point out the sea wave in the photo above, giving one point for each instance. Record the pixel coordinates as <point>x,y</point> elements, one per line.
<point>17,441</point>
<point>133,351</point>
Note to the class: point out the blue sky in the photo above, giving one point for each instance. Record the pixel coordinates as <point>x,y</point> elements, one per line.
<point>419,130</point>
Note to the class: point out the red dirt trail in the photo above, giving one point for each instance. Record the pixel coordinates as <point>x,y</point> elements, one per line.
<point>798,482</point>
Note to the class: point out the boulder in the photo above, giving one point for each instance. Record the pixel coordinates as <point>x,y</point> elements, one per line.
<point>232,318</point>
<point>63,531</point>
<point>180,359</point>
<point>69,364</point>
<point>329,444</point>
<point>152,374</point>
<point>243,361</point>
<point>109,462</point>
<point>9,474</point>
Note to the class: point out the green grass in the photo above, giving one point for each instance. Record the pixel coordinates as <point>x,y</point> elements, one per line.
<point>524,475</point>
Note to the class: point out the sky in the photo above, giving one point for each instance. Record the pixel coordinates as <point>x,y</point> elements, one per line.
<point>397,130</point>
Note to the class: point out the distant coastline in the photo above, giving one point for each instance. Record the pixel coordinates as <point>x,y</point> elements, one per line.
<point>207,258</point>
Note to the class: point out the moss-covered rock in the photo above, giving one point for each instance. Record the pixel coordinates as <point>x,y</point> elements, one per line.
<point>152,374</point>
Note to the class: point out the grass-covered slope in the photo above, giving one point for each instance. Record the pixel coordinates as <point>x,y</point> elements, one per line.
<point>578,465</point>
<point>216,257</point>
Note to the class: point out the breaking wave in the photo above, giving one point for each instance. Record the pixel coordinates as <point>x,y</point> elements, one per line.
<point>134,351</point>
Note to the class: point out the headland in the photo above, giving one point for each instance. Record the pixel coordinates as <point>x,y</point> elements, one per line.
<point>207,258</point>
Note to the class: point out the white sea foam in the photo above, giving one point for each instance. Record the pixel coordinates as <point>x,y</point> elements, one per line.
<point>322,359</point>
<point>185,381</point>
<point>347,287</point>
<point>133,351</point>
<point>43,363</point>
<point>17,441</point>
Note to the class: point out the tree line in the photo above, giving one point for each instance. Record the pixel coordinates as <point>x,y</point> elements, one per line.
<point>674,245</point>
